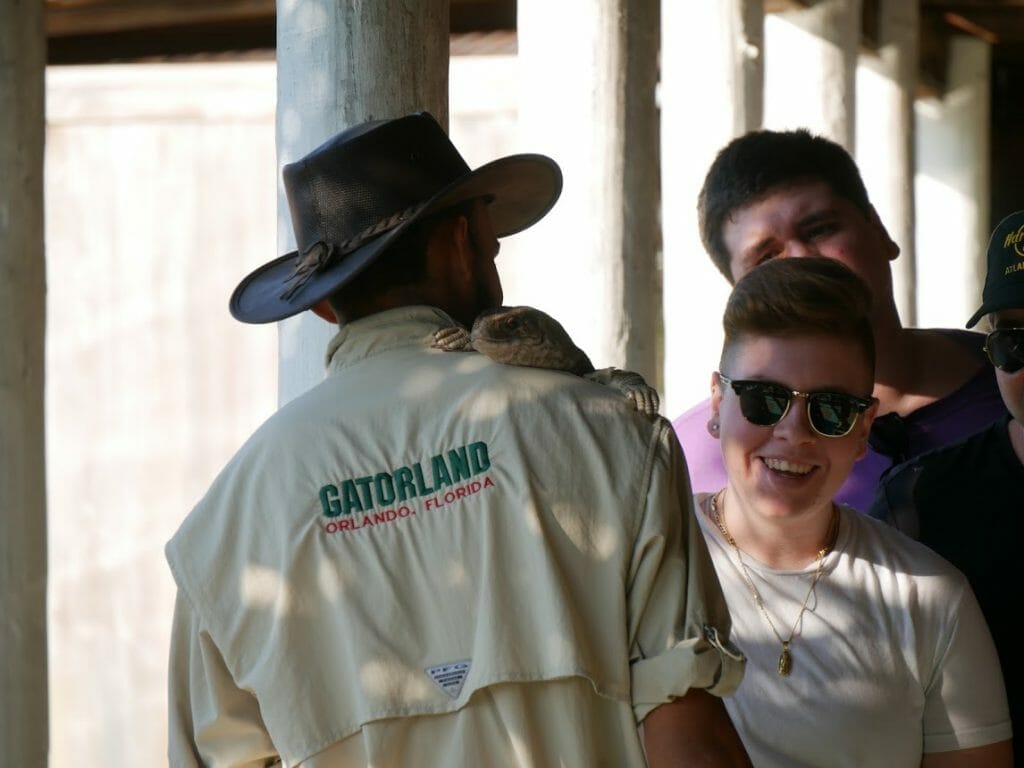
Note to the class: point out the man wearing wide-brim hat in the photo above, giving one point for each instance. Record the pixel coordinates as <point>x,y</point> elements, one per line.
<point>966,501</point>
<point>433,559</point>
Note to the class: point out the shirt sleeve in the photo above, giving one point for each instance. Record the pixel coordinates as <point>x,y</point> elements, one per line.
<point>212,722</point>
<point>678,620</point>
<point>965,704</point>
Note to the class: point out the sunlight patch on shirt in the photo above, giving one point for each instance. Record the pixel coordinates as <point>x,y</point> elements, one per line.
<point>598,540</point>
<point>422,383</point>
<point>532,520</point>
<point>263,587</point>
<point>331,582</point>
<point>531,386</point>
<point>470,364</point>
<point>558,647</point>
<point>391,680</point>
<point>456,575</point>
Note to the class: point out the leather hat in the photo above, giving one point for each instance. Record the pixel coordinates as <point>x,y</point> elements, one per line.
<point>1004,281</point>
<point>355,195</point>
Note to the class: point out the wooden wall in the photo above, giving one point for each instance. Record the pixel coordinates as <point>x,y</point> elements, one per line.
<point>160,196</point>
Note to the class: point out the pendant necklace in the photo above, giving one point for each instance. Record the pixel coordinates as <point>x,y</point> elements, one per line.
<point>785,657</point>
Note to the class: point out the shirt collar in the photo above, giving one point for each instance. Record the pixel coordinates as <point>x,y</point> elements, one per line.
<point>412,326</point>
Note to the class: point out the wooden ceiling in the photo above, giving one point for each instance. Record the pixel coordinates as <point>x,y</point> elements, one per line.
<point>92,31</point>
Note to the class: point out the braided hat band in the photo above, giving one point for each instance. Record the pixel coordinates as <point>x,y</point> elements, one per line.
<point>321,255</point>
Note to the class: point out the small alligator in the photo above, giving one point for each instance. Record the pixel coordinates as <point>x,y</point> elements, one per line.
<point>527,336</point>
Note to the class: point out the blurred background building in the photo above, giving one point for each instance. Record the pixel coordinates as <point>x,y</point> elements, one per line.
<point>163,142</point>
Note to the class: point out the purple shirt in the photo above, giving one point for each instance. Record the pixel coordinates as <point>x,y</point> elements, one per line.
<point>893,439</point>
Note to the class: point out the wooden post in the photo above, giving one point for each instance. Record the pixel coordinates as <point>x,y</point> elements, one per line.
<point>589,73</point>
<point>339,64</point>
<point>886,88</point>
<point>953,187</point>
<point>712,82</point>
<point>23,661</point>
<point>810,69</point>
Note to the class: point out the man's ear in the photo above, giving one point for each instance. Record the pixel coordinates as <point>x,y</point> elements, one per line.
<point>323,310</point>
<point>892,249</point>
<point>454,242</point>
<point>863,428</point>
<point>714,423</point>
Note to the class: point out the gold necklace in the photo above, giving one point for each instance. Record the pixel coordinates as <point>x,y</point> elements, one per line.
<point>785,658</point>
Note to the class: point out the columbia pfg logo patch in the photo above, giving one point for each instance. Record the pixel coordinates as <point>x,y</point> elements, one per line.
<point>451,676</point>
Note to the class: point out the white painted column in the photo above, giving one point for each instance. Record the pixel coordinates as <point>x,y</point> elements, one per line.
<point>886,86</point>
<point>952,188</point>
<point>711,92</point>
<point>810,65</point>
<point>339,64</point>
<point>588,76</point>
<point>24,725</point>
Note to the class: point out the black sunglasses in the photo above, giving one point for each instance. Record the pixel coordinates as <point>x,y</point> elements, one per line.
<point>1005,348</point>
<point>764,403</point>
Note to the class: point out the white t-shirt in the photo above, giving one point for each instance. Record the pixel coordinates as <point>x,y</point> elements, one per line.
<point>892,659</point>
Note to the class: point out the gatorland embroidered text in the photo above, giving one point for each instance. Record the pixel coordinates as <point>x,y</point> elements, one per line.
<point>363,502</point>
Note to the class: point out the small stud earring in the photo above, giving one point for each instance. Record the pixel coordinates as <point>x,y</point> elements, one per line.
<point>713,428</point>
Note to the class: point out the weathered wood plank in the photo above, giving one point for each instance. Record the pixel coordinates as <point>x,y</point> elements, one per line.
<point>85,17</point>
<point>23,660</point>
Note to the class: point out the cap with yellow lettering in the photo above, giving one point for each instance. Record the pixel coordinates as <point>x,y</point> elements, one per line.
<point>1004,283</point>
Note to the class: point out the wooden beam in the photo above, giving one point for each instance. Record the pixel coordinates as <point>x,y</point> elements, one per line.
<point>238,39</point>
<point>971,27</point>
<point>482,15</point>
<point>933,54</point>
<point>779,6</point>
<point>90,17</point>
<point>84,17</point>
<point>973,5</point>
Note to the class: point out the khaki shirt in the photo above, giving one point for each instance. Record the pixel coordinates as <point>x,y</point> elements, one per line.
<point>434,559</point>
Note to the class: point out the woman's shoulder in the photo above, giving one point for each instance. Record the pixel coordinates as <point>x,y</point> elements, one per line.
<point>886,549</point>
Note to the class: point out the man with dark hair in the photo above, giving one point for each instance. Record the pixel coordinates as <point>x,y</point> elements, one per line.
<point>966,500</point>
<point>435,559</point>
<point>789,194</point>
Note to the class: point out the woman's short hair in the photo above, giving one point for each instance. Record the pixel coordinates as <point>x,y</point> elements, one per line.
<point>811,296</point>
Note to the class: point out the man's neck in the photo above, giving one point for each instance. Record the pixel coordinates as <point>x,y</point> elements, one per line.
<point>787,544</point>
<point>1016,430</point>
<point>915,367</point>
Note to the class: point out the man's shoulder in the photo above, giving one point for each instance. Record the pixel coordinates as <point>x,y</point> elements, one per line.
<point>950,460</point>
<point>552,390</point>
<point>886,544</point>
<point>944,478</point>
<point>975,403</point>
<point>970,339</point>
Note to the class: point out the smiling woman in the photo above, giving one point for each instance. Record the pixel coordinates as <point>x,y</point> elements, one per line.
<point>836,613</point>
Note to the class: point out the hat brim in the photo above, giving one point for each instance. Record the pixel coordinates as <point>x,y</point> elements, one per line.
<point>984,310</point>
<point>1009,297</point>
<point>521,188</point>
